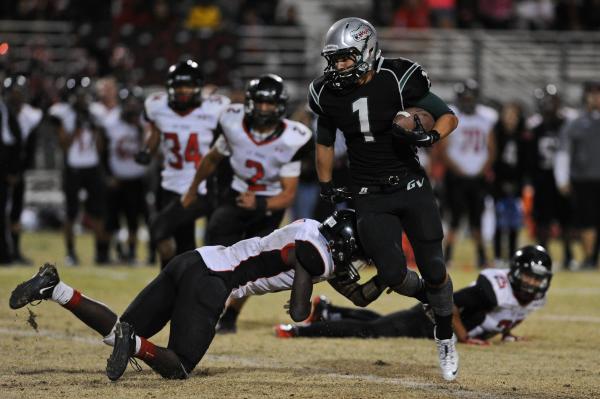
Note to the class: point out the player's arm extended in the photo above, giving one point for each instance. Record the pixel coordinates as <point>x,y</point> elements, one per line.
<point>285,199</point>
<point>207,167</point>
<point>459,328</point>
<point>144,156</point>
<point>360,294</point>
<point>307,263</point>
<point>445,120</point>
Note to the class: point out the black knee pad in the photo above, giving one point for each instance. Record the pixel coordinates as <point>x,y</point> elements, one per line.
<point>434,272</point>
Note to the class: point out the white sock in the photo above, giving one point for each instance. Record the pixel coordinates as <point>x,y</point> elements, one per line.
<point>138,345</point>
<point>62,293</point>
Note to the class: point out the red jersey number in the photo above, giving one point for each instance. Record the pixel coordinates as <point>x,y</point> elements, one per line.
<point>190,154</point>
<point>259,174</point>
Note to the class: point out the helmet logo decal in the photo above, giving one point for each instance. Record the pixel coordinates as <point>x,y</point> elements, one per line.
<point>361,33</point>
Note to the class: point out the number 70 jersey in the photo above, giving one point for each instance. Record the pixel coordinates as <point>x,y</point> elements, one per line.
<point>185,138</point>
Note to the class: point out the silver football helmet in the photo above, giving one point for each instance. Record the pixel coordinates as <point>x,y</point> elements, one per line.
<point>354,38</point>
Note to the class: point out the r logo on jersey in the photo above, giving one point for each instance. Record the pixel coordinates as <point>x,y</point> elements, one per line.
<point>415,183</point>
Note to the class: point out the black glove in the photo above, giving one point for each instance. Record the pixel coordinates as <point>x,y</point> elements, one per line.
<point>143,157</point>
<point>417,137</point>
<point>333,195</point>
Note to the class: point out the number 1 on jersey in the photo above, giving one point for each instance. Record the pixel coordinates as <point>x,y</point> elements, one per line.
<point>362,107</point>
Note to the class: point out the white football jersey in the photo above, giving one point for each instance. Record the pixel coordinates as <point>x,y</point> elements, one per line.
<point>185,137</point>
<point>267,277</point>
<point>82,153</point>
<point>508,312</point>
<point>468,143</point>
<point>259,165</point>
<point>29,117</point>
<point>124,141</point>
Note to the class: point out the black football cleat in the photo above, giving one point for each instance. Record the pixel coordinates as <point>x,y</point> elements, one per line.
<point>226,327</point>
<point>39,287</point>
<point>122,351</point>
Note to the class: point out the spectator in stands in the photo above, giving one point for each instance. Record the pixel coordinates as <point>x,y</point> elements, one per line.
<point>508,179</point>
<point>442,13</point>
<point>577,169</point>
<point>496,14</point>
<point>205,14</point>
<point>535,14</point>
<point>412,14</point>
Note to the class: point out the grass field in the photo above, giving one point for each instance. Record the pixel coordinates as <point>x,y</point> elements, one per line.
<point>64,359</point>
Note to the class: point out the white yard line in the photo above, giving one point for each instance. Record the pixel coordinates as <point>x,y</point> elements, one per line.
<point>445,388</point>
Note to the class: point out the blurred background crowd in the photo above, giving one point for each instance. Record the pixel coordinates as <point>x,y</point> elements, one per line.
<point>501,60</point>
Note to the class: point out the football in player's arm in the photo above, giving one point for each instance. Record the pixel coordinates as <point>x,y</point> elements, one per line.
<point>360,94</point>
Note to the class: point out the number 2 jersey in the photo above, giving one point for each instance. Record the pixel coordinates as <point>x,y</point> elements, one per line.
<point>185,137</point>
<point>259,265</point>
<point>365,114</point>
<point>259,165</point>
<point>489,307</point>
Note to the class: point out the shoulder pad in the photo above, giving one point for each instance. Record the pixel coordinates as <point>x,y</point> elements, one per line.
<point>33,114</point>
<point>155,102</point>
<point>315,89</point>
<point>487,112</point>
<point>298,133</point>
<point>218,99</point>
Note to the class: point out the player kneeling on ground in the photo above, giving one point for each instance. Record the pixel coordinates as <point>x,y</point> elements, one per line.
<point>191,291</point>
<point>498,301</point>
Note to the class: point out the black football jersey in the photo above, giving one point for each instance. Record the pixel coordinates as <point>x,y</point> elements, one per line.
<point>541,149</point>
<point>365,113</point>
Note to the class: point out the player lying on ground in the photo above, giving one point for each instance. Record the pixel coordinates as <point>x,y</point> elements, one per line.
<point>191,291</point>
<point>498,301</point>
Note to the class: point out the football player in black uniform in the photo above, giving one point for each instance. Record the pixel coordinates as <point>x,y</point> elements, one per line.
<point>497,302</point>
<point>360,94</point>
<point>549,204</point>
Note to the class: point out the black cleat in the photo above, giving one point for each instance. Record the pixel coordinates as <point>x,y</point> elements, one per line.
<point>38,287</point>
<point>122,351</point>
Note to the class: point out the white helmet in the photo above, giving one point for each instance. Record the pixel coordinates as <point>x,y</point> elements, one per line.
<point>350,37</point>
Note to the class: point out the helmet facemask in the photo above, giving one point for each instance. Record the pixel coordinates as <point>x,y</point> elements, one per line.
<point>350,38</point>
<point>348,77</point>
<point>183,101</point>
<point>260,118</point>
<point>530,273</point>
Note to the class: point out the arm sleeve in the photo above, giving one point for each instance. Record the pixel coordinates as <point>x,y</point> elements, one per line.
<point>309,257</point>
<point>434,105</point>
<point>480,296</point>
<point>326,130</point>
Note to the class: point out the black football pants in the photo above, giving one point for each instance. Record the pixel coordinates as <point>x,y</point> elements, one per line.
<point>173,220</point>
<point>229,223</point>
<point>407,323</point>
<point>409,206</point>
<point>189,295</point>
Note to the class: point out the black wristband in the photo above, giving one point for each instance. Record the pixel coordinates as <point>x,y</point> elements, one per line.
<point>326,186</point>
<point>435,136</point>
<point>261,203</point>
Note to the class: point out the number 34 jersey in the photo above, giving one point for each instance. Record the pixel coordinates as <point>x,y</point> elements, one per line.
<point>259,165</point>
<point>185,138</point>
